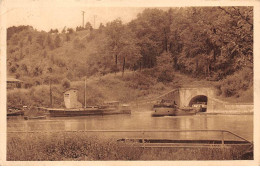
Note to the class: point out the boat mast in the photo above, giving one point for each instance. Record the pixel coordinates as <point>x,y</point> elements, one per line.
<point>50,94</point>
<point>85,99</point>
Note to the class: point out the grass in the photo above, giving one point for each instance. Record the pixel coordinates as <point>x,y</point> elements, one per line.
<point>82,147</point>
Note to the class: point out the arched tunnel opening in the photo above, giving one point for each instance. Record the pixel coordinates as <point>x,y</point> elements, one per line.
<point>199,101</point>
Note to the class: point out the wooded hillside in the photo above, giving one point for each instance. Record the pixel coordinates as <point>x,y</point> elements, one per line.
<point>209,43</point>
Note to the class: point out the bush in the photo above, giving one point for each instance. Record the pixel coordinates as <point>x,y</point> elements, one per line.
<point>40,95</point>
<point>36,96</point>
<point>165,77</point>
<point>234,84</point>
<point>94,95</point>
<point>159,86</point>
<point>65,83</point>
<point>18,97</point>
<point>228,90</point>
<point>78,44</point>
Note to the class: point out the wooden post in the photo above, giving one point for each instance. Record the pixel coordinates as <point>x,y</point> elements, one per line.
<point>222,138</point>
<point>222,144</point>
<point>143,140</point>
<point>116,63</point>
<point>85,99</point>
<point>123,66</point>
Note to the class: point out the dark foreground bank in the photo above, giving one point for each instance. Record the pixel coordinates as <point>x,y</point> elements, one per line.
<point>82,147</point>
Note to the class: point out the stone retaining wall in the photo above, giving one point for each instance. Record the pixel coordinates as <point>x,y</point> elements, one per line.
<point>218,106</point>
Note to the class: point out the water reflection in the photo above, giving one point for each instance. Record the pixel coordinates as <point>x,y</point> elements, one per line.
<point>239,124</point>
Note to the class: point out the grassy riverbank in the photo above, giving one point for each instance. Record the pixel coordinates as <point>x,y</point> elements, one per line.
<point>132,87</point>
<point>82,147</point>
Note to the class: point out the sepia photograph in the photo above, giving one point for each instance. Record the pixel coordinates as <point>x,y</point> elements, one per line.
<point>129,83</point>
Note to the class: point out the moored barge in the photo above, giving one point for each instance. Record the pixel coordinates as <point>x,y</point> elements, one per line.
<point>75,108</point>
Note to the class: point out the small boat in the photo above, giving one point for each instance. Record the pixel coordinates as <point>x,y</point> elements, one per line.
<point>34,118</point>
<point>200,105</point>
<point>13,111</point>
<point>167,108</point>
<point>164,108</point>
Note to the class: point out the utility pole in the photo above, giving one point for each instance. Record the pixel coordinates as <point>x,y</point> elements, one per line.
<point>83,12</point>
<point>94,21</point>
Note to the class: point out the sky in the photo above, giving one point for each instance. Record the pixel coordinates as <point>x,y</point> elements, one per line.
<point>52,14</point>
<point>57,14</point>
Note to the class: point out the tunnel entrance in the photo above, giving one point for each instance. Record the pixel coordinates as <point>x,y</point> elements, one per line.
<point>199,101</point>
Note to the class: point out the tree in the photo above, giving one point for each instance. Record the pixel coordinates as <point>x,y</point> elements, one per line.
<point>13,69</point>
<point>57,41</point>
<point>67,37</point>
<point>114,32</point>
<point>101,27</point>
<point>152,30</point>
<point>49,42</point>
<point>54,31</point>
<point>79,28</point>
<point>237,34</point>
<point>88,26</point>
<point>70,30</point>
<point>15,30</point>
<point>24,68</point>
<point>30,38</point>
<point>40,40</point>
<point>209,42</point>
<point>15,39</point>
<point>129,51</point>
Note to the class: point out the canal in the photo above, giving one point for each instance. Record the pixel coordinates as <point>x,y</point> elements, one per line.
<point>142,120</point>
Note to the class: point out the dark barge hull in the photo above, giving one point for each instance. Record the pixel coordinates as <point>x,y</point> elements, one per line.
<point>17,113</point>
<point>168,111</point>
<point>85,112</point>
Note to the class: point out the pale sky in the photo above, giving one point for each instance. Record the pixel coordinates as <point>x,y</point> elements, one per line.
<point>44,15</point>
<point>47,14</point>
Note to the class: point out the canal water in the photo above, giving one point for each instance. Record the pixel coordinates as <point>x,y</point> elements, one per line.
<point>241,125</point>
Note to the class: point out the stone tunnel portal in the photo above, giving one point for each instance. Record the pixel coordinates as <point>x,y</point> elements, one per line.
<point>199,101</point>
